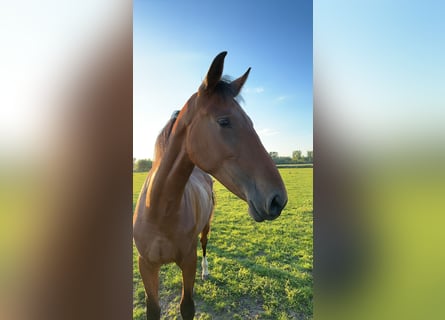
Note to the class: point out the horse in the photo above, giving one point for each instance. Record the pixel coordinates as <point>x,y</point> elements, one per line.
<point>210,136</point>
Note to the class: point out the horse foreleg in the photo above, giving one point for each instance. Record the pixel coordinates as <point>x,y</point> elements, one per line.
<point>150,277</point>
<point>188,267</point>
<point>204,264</point>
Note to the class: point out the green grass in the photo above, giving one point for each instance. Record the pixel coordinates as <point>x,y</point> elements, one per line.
<point>258,270</point>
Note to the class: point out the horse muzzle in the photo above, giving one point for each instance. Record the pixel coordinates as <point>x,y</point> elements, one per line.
<point>270,210</point>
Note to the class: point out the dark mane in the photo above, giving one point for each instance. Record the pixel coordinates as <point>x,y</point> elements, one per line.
<point>164,135</point>
<point>224,89</point>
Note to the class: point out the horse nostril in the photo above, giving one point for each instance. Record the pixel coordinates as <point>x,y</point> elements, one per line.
<point>276,205</point>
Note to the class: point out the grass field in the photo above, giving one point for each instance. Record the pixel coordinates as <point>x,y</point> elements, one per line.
<point>257,270</point>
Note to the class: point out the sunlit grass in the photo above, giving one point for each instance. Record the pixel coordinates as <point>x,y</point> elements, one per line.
<point>258,270</point>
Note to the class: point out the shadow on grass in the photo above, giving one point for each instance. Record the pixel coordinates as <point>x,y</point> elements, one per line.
<point>264,293</point>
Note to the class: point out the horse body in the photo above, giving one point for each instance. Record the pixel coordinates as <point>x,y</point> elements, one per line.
<point>210,135</point>
<point>166,245</point>
<point>175,206</point>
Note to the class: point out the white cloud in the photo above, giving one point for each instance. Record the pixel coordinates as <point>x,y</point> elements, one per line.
<point>267,132</point>
<point>281,98</point>
<point>255,90</point>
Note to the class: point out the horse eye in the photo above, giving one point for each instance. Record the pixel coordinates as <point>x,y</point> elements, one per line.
<point>224,122</point>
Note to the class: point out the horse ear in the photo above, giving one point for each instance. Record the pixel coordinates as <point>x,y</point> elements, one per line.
<point>215,72</point>
<point>237,84</point>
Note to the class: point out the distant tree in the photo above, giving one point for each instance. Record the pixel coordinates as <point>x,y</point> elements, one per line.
<point>143,165</point>
<point>310,156</point>
<point>273,154</point>
<point>296,155</point>
<point>134,163</point>
<point>283,160</point>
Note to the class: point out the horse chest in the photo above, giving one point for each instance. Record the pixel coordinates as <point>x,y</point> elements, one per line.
<point>161,250</point>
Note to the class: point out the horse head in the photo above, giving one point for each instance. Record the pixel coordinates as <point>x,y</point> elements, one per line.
<point>221,140</point>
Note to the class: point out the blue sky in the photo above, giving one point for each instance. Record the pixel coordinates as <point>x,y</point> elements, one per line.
<point>175,42</point>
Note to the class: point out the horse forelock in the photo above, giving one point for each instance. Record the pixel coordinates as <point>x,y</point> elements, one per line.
<point>225,89</point>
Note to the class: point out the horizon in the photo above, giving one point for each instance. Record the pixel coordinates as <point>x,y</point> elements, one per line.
<point>304,154</point>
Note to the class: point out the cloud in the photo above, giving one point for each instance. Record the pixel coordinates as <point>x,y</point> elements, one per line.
<point>281,98</point>
<point>267,132</point>
<point>255,90</point>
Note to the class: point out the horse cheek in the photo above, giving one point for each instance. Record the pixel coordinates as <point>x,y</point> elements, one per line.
<point>195,147</point>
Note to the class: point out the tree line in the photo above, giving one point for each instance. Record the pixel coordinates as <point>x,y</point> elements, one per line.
<point>297,158</point>
<point>141,165</point>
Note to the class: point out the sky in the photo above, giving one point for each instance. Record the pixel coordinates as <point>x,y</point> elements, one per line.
<point>174,43</point>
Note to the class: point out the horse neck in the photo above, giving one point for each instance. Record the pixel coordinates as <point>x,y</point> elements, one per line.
<point>171,176</point>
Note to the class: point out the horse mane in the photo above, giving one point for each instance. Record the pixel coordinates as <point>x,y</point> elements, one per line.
<point>163,137</point>
<point>224,89</point>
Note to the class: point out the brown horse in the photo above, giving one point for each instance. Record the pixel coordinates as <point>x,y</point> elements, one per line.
<point>211,134</point>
